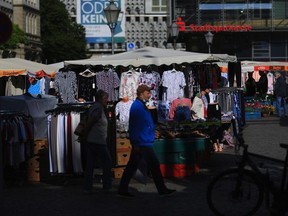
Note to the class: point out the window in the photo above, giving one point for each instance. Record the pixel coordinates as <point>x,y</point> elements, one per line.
<point>261,49</point>
<point>278,49</point>
<point>156,6</point>
<point>159,5</point>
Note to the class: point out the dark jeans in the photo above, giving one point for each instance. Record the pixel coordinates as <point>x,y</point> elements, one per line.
<point>153,165</point>
<point>182,113</point>
<point>101,151</point>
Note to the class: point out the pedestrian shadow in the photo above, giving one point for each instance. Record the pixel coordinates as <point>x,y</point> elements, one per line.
<point>284,121</point>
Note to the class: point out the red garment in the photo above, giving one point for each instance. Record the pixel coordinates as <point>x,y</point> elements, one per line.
<point>179,102</point>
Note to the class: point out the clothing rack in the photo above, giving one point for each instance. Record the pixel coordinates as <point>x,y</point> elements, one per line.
<point>15,146</point>
<point>69,107</point>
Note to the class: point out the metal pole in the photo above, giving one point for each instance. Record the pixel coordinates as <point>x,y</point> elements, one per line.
<point>112,40</point>
<point>209,48</point>
<point>174,43</point>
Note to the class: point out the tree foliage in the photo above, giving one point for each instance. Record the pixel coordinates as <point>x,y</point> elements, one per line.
<point>62,38</point>
<point>17,37</point>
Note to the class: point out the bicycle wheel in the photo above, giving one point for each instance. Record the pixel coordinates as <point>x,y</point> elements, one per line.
<point>225,198</point>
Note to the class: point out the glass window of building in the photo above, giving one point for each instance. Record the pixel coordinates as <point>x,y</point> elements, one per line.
<point>159,6</point>
<point>278,49</point>
<point>156,6</point>
<point>261,49</point>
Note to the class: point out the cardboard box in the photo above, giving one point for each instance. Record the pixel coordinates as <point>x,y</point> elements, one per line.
<point>118,172</point>
<point>33,163</point>
<point>123,143</point>
<point>123,157</point>
<point>33,175</point>
<point>40,144</point>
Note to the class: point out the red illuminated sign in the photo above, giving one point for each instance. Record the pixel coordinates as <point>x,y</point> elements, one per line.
<point>212,28</point>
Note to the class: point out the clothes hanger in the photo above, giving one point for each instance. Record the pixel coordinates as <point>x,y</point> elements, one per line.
<point>87,73</point>
<point>131,69</point>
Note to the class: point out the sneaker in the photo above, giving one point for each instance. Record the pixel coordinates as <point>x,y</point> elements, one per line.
<point>168,192</point>
<point>125,194</point>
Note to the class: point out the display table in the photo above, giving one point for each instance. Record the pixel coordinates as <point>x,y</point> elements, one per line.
<point>181,157</point>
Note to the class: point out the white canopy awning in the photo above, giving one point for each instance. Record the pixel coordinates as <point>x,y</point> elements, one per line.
<point>10,65</point>
<point>153,56</point>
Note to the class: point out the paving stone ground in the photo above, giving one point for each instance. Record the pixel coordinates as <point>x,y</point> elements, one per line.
<point>64,197</point>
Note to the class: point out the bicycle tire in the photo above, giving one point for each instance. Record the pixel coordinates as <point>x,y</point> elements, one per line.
<point>223,200</point>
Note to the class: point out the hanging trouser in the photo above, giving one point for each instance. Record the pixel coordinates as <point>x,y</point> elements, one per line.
<point>234,69</point>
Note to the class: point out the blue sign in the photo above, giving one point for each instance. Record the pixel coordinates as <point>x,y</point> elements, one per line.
<point>90,14</point>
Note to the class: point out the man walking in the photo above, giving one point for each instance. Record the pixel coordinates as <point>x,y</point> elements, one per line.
<point>142,135</point>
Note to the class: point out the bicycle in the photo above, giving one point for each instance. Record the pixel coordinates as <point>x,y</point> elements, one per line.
<point>240,191</point>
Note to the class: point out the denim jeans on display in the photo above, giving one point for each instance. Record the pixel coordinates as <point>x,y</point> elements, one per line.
<point>182,113</point>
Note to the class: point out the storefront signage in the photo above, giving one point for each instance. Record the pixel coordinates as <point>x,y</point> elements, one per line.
<point>277,68</point>
<point>271,68</point>
<point>261,68</point>
<point>212,28</point>
<point>226,28</point>
<point>90,14</point>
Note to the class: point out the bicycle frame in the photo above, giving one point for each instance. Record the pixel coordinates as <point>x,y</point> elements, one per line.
<point>249,183</point>
<point>264,178</point>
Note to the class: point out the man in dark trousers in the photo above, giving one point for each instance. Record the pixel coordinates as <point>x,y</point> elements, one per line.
<point>280,93</point>
<point>142,135</point>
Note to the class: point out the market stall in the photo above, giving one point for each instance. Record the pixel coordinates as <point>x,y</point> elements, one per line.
<point>261,105</point>
<point>121,73</point>
<point>22,116</point>
<point>17,74</point>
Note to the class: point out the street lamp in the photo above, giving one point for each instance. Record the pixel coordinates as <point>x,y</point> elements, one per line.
<point>209,40</point>
<point>174,31</point>
<point>112,14</point>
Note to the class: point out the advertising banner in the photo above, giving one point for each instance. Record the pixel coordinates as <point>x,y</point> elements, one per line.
<point>90,14</point>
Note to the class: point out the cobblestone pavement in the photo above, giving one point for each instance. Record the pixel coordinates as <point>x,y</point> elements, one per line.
<point>65,198</point>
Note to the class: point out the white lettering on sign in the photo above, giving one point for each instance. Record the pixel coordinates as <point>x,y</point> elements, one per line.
<point>86,19</point>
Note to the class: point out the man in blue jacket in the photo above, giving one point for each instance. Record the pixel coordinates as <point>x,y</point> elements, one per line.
<point>142,135</point>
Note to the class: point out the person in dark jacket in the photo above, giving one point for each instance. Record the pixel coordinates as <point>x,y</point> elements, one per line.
<point>280,93</point>
<point>250,85</point>
<point>96,142</point>
<point>142,135</point>
<point>262,84</point>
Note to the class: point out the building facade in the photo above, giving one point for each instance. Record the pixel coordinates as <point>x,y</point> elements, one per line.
<point>25,14</point>
<point>145,25</point>
<point>249,29</point>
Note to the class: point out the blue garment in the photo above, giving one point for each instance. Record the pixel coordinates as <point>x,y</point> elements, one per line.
<point>141,125</point>
<point>35,89</point>
<point>163,111</point>
<point>182,113</point>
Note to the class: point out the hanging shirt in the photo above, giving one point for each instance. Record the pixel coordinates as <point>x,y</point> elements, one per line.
<point>174,83</point>
<point>122,109</point>
<point>152,80</point>
<point>198,107</point>
<point>15,85</point>
<point>86,85</point>
<point>108,81</point>
<point>34,88</point>
<point>66,85</point>
<point>129,84</point>
<point>270,78</point>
